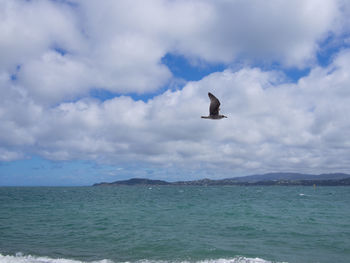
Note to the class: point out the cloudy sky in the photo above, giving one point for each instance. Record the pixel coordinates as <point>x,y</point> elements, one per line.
<point>95,91</point>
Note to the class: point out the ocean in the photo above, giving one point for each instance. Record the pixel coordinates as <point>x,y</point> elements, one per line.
<point>160,224</point>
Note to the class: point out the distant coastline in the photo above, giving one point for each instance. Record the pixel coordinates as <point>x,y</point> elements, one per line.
<point>270,179</point>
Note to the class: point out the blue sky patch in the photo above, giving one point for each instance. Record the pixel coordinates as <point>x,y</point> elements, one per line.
<point>182,68</point>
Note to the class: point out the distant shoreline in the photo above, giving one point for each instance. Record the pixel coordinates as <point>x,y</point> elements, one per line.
<point>242,181</point>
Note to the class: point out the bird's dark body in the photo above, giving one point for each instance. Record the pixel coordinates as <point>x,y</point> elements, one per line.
<point>214,108</point>
<point>214,105</point>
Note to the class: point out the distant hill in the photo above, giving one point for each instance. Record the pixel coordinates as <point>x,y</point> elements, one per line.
<point>135,181</point>
<point>264,179</point>
<point>290,176</point>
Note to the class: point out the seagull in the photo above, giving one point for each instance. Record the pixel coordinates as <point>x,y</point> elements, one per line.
<point>214,108</point>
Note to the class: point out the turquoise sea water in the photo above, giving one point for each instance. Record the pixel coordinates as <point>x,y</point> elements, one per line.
<point>174,224</point>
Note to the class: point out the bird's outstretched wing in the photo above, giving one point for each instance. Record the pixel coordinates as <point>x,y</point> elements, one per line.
<point>214,105</point>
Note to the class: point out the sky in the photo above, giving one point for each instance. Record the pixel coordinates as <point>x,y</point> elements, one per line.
<point>98,91</point>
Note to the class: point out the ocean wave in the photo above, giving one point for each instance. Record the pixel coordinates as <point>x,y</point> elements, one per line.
<point>221,260</point>
<point>20,258</point>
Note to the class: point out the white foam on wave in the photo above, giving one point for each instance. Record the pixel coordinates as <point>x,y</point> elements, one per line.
<point>20,258</point>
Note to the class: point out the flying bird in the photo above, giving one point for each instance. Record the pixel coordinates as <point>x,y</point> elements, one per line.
<point>214,108</point>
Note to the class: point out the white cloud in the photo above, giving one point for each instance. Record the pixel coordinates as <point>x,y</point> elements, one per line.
<point>29,28</point>
<point>327,93</point>
<point>118,45</point>
<point>54,78</point>
<point>284,31</point>
<point>271,126</point>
